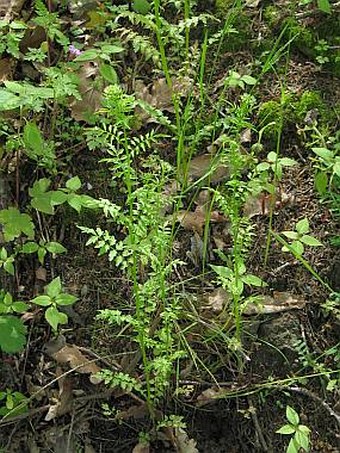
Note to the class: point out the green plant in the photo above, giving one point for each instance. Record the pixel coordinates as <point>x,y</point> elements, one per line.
<point>11,34</point>
<point>300,433</point>
<point>42,248</point>
<point>274,165</point>
<point>12,403</point>
<point>300,238</point>
<point>54,299</point>
<point>327,166</point>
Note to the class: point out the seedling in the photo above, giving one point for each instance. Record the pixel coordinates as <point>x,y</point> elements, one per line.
<point>300,238</point>
<point>54,298</point>
<point>300,440</point>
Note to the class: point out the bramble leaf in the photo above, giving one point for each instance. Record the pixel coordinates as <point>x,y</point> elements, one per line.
<point>12,334</point>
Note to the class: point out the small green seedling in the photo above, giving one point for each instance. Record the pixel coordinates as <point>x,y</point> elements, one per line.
<point>6,261</point>
<point>42,248</point>
<point>275,164</point>
<point>300,440</point>
<point>300,238</point>
<point>54,299</point>
<point>327,166</point>
<point>12,403</point>
<point>8,305</point>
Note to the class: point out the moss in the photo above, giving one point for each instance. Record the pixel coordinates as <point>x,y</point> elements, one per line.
<point>310,100</point>
<point>275,112</point>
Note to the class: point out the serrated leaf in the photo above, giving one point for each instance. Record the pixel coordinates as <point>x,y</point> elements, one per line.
<point>12,334</point>
<point>108,73</point>
<point>310,240</point>
<point>55,317</point>
<point>111,48</point>
<point>272,156</point>
<point>286,429</point>
<point>41,255</point>
<point>58,197</point>
<point>65,299</point>
<point>53,289</point>
<point>292,416</point>
<point>73,184</point>
<point>43,301</point>
<point>302,226</point>
<point>39,187</point>
<point>55,247</point>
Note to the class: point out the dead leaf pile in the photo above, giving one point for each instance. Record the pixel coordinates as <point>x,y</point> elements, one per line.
<point>195,220</point>
<point>279,302</point>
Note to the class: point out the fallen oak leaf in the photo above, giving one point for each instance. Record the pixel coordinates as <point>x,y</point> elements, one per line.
<point>279,302</point>
<point>195,220</point>
<point>61,352</point>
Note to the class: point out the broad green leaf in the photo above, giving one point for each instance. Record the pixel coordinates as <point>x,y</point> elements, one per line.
<point>302,439</point>
<point>321,182</point>
<point>324,153</point>
<point>39,187</point>
<point>58,197</point>
<point>304,429</point>
<point>20,307</point>
<point>16,223</point>
<point>8,101</point>
<point>263,166</point>
<point>108,73</point>
<point>287,162</point>
<point>9,267</point>
<point>336,167</point>
<point>88,55</point>
<point>111,48</point>
<point>3,254</point>
<point>43,301</point>
<point>292,447</point>
<point>55,317</point>
<point>12,334</point>
<point>310,240</point>
<point>302,226</point>
<point>290,234</point>
<point>33,138</point>
<point>249,80</point>
<point>41,255</point>
<point>65,299</point>
<point>297,247</point>
<point>141,6</point>
<point>222,271</point>
<point>324,6</point>
<point>253,280</point>
<point>286,429</point>
<point>73,184</point>
<point>292,416</point>
<point>272,156</point>
<point>29,247</point>
<point>75,201</point>
<point>55,247</point>
<point>43,203</point>
<point>53,289</point>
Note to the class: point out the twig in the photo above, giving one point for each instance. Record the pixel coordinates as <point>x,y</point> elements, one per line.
<point>312,395</point>
<point>257,426</point>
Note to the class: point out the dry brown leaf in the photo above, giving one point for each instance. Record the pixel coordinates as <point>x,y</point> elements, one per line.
<point>70,354</point>
<point>65,398</point>
<point>195,221</point>
<point>261,204</point>
<point>183,443</point>
<point>6,69</point>
<point>218,300</point>
<point>83,109</point>
<point>141,448</point>
<point>207,165</point>
<point>41,274</point>
<point>245,136</point>
<point>280,301</point>
<point>209,395</point>
<point>134,412</point>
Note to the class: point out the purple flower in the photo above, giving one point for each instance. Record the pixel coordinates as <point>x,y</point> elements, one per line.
<point>74,51</point>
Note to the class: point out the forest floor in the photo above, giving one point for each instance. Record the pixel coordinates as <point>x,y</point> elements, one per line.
<point>238,368</point>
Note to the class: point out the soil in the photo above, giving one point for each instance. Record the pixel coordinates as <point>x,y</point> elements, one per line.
<point>229,404</point>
